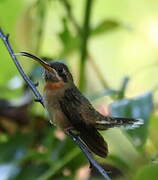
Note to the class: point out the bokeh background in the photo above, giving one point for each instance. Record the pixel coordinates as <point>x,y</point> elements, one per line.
<point>111,49</point>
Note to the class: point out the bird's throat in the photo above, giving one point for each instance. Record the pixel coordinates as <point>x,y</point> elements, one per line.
<point>52,86</point>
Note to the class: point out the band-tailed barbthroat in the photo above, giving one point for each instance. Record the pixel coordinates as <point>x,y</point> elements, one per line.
<point>69,109</point>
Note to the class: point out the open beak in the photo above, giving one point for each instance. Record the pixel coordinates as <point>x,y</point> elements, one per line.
<point>39,60</point>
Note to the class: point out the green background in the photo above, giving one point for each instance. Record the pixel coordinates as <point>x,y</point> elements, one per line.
<point>118,74</point>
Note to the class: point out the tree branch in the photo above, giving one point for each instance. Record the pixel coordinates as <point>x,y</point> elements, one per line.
<point>84,149</point>
<point>16,62</point>
<point>40,99</point>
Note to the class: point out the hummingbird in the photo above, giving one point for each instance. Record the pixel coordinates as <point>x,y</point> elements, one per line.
<point>69,109</point>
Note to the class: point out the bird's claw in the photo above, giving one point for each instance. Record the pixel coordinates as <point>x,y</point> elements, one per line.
<point>37,99</point>
<point>36,84</point>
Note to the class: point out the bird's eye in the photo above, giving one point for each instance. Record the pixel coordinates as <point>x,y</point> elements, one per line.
<point>60,71</point>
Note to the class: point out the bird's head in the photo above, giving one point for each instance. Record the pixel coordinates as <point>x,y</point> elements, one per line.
<point>55,72</point>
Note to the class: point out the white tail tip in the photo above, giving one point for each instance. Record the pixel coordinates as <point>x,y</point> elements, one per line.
<point>136,124</point>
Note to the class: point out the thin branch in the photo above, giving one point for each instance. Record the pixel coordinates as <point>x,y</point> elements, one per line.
<point>40,99</point>
<point>71,16</point>
<point>84,149</point>
<point>78,29</point>
<point>84,33</point>
<point>17,64</point>
<point>84,42</point>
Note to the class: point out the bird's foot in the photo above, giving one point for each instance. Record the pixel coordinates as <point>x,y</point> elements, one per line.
<point>67,130</point>
<point>70,129</point>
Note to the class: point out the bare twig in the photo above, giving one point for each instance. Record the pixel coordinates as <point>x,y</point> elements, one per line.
<point>16,62</point>
<point>84,149</point>
<point>40,99</point>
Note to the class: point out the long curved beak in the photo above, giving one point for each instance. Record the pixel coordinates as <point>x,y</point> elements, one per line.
<point>39,60</point>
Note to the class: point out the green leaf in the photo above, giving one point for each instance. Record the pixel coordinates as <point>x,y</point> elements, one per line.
<point>123,88</point>
<point>70,42</point>
<point>105,26</point>
<point>32,171</point>
<point>60,164</point>
<point>138,107</point>
<point>15,148</point>
<point>148,172</point>
<point>118,162</point>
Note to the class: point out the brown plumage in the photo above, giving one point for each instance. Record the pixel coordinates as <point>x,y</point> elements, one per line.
<point>68,108</point>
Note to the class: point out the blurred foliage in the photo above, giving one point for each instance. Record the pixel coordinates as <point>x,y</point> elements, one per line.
<point>103,42</point>
<point>139,107</point>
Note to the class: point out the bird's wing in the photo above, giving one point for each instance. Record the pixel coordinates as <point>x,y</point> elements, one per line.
<point>93,117</point>
<point>83,106</point>
<point>71,105</point>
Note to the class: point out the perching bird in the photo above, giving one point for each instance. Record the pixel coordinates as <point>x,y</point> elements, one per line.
<point>69,109</point>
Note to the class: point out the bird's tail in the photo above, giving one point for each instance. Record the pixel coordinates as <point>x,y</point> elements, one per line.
<point>94,142</point>
<point>110,122</point>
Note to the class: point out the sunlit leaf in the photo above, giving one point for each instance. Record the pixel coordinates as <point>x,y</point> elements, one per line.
<point>70,42</point>
<point>148,172</point>
<point>138,107</point>
<point>118,162</point>
<point>105,26</point>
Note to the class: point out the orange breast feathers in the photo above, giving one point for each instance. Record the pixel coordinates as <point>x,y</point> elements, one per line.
<point>53,85</point>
